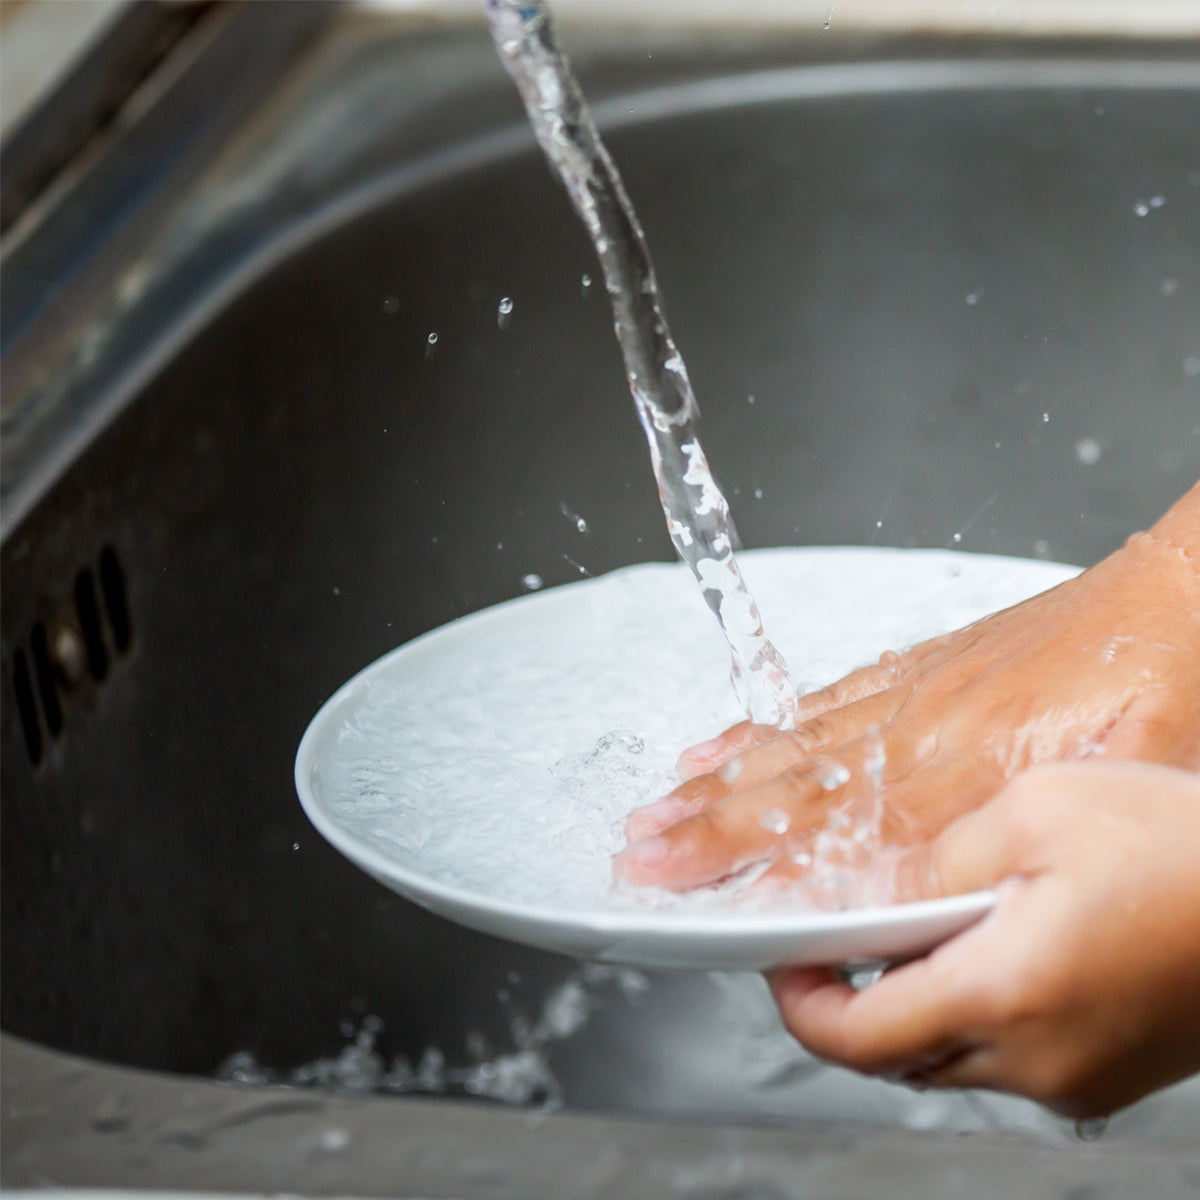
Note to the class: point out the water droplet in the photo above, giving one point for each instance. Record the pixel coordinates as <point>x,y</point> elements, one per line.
<point>504,312</point>
<point>1168,287</point>
<point>775,821</point>
<point>758,493</point>
<point>832,775</point>
<point>1041,546</point>
<point>973,297</point>
<point>1099,110</point>
<point>573,517</point>
<point>585,281</point>
<point>958,537</point>
<point>533,582</point>
<point>295,845</point>
<point>727,772</point>
<point>391,305</point>
<point>432,339</point>
<point>1191,366</point>
<point>1142,208</point>
<point>1045,418</point>
<point>750,398</point>
<point>430,344</point>
<point>1087,450</point>
<point>1091,1130</point>
<point>1157,201</point>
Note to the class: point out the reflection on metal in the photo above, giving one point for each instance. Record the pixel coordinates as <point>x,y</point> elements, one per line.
<point>292,487</point>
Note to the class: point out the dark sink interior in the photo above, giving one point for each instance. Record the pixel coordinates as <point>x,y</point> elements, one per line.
<point>934,288</point>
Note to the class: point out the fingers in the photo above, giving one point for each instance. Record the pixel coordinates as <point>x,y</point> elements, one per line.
<point>733,832</point>
<point>717,824</point>
<point>848,876</point>
<point>858,685</point>
<point>847,691</point>
<point>725,830</point>
<point>903,1019</point>
<point>766,759</point>
<point>707,756</point>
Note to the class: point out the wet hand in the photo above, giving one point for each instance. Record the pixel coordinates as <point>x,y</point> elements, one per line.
<point>1080,989</point>
<point>1107,663</point>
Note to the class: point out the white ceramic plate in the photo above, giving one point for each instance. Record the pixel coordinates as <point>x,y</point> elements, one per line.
<point>384,770</point>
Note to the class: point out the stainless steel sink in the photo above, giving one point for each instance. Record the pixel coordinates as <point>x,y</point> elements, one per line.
<point>922,306</point>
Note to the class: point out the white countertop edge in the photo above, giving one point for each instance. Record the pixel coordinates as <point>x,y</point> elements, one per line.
<point>1150,18</point>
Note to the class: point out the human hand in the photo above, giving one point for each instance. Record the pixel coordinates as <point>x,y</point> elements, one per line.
<point>1081,989</point>
<point>1108,662</point>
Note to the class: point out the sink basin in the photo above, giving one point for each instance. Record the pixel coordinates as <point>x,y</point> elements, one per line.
<point>933,295</point>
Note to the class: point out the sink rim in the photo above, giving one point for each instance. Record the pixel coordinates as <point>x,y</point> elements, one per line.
<point>40,443</point>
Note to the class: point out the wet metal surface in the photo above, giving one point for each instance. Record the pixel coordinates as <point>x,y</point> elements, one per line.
<point>929,272</point>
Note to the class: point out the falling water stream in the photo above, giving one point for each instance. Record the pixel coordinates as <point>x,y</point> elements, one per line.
<point>697,512</point>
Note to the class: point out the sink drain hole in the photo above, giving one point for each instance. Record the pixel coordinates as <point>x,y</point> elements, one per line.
<point>23,686</point>
<point>78,642</point>
<point>89,622</point>
<point>47,689</point>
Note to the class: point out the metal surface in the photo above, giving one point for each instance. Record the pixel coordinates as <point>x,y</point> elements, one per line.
<point>931,277</point>
<point>121,1129</point>
<point>89,98</point>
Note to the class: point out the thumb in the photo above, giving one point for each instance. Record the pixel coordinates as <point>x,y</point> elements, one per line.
<point>971,854</point>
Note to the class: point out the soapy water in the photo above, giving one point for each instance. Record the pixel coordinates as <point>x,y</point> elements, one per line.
<point>521,1075</point>
<point>697,513</point>
<point>473,760</point>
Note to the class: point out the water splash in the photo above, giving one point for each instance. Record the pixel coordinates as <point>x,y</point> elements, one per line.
<point>520,1076</point>
<point>696,511</point>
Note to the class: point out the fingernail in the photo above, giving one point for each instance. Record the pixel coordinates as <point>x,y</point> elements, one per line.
<point>707,749</point>
<point>648,853</point>
<point>701,756</point>
<point>650,819</point>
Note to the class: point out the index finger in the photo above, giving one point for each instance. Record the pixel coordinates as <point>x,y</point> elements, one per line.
<point>910,1013</point>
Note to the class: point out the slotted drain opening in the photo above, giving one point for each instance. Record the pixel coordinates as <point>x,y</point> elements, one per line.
<point>88,611</point>
<point>47,688</point>
<point>77,644</point>
<point>27,707</point>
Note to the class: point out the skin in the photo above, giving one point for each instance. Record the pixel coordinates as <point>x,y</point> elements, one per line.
<point>1080,990</point>
<point>1105,664</point>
